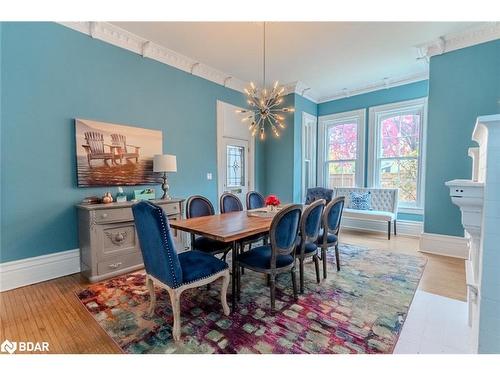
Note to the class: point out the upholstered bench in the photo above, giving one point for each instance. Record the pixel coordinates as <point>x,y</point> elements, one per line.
<point>384,205</point>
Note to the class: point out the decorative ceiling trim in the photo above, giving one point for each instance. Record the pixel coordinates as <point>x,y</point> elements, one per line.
<point>385,83</point>
<point>119,37</point>
<point>484,33</point>
<point>300,88</point>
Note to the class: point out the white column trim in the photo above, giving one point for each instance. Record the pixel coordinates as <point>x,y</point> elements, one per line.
<point>440,244</point>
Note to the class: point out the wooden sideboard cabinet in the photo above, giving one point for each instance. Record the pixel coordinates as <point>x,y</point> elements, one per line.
<point>108,240</point>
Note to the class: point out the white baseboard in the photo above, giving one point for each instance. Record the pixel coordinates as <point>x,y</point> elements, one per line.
<point>440,244</point>
<point>28,271</point>
<point>404,227</point>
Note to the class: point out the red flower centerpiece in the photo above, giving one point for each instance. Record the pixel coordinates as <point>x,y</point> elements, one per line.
<point>272,202</point>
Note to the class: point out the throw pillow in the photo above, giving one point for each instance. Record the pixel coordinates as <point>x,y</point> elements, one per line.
<point>361,201</point>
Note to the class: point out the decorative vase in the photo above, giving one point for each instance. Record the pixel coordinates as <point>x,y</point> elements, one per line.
<point>107,198</point>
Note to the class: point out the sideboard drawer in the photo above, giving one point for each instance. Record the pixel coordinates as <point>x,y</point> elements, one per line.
<point>119,263</point>
<point>171,208</point>
<point>115,239</point>
<point>113,215</point>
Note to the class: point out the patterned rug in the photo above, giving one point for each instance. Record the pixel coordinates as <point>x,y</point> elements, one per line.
<point>360,309</point>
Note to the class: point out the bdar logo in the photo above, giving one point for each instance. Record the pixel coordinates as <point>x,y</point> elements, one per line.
<point>8,347</point>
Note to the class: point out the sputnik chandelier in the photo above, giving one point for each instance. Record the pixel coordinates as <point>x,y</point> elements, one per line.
<point>265,105</point>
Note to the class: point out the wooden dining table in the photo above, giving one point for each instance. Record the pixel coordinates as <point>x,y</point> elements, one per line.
<point>231,228</point>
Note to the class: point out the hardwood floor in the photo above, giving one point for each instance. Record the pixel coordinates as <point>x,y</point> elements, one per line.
<point>50,311</point>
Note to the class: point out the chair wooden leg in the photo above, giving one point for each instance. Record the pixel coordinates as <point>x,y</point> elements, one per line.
<point>223,292</point>
<point>242,251</point>
<point>294,284</point>
<point>395,228</point>
<point>175,300</point>
<point>301,275</point>
<point>273,291</point>
<point>238,282</point>
<point>152,296</point>
<point>323,258</point>
<point>337,257</point>
<point>316,266</point>
<point>389,230</point>
<point>268,280</point>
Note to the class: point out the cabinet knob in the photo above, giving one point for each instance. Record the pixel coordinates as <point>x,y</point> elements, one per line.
<point>104,216</point>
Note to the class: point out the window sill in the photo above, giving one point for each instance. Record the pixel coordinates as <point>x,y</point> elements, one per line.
<point>411,210</point>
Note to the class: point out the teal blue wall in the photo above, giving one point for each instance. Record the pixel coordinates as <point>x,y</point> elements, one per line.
<point>50,75</point>
<point>463,84</point>
<point>282,163</point>
<point>278,164</point>
<point>380,97</point>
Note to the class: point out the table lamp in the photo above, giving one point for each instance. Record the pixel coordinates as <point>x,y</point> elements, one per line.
<point>164,164</point>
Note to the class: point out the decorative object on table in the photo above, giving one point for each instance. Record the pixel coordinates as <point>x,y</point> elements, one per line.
<point>113,155</point>
<point>107,197</point>
<point>360,310</point>
<point>91,200</point>
<point>163,164</point>
<point>272,202</point>
<point>144,194</point>
<point>121,196</point>
<point>361,201</point>
<point>265,105</point>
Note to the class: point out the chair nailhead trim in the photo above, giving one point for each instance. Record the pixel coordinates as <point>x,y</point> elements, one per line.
<point>201,278</point>
<point>159,211</point>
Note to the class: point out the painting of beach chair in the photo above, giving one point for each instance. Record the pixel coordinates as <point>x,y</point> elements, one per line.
<point>95,148</point>
<point>125,151</point>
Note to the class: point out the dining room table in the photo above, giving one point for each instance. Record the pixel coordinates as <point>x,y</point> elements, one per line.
<point>231,228</point>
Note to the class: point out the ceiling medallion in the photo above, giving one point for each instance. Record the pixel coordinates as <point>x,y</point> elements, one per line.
<point>265,105</point>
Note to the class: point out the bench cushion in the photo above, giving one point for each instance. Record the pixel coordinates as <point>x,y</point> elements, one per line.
<point>369,214</point>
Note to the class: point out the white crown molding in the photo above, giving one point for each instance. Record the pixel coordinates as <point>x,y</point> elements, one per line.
<point>119,37</point>
<point>300,88</point>
<point>29,271</point>
<point>480,34</point>
<point>385,83</point>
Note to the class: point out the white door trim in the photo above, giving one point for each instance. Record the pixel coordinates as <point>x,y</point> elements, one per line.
<point>306,117</point>
<point>221,150</point>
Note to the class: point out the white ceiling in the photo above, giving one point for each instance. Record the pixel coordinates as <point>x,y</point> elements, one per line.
<point>326,56</point>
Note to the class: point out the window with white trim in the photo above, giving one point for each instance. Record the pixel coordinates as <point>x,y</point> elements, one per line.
<point>341,151</point>
<point>396,150</point>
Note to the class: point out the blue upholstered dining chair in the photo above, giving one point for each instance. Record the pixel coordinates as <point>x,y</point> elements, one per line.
<point>279,256</point>
<point>198,206</point>
<point>310,224</point>
<point>174,272</point>
<point>254,200</point>
<point>318,193</point>
<point>329,234</point>
<point>229,203</point>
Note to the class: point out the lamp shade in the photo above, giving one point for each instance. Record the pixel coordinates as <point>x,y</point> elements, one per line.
<point>164,163</point>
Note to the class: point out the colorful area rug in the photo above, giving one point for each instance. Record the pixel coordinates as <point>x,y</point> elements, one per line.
<point>360,309</point>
